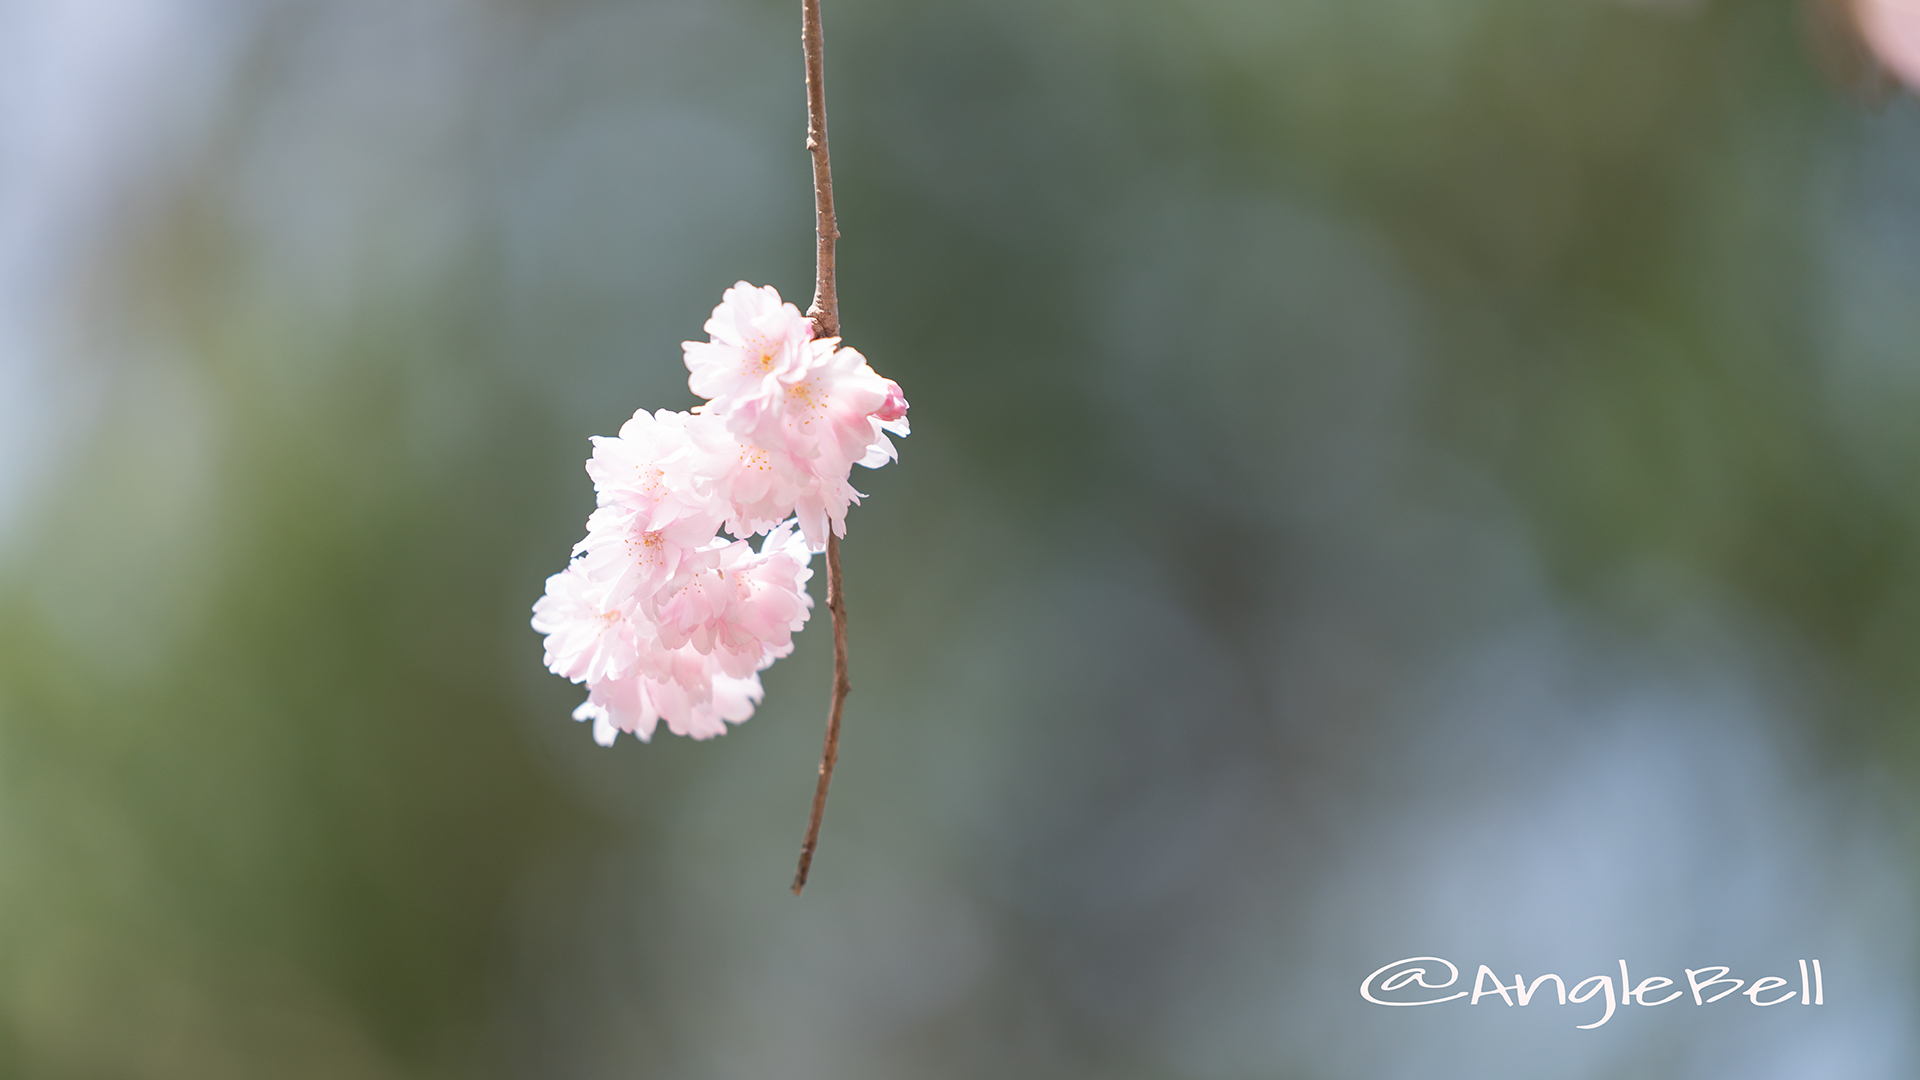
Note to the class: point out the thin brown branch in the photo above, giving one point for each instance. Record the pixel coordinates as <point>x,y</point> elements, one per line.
<point>837,609</point>
<point>825,313</point>
<point>825,309</point>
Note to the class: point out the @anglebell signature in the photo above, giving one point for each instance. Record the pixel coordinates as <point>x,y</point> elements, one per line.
<point>1405,983</point>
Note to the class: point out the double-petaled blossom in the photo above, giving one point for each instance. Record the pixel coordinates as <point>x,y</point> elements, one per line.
<point>586,641</point>
<point>651,468</point>
<point>732,600</point>
<point>756,345</point>
<point>662,616</point>
<point>758,488</point>
<point>698,704</point>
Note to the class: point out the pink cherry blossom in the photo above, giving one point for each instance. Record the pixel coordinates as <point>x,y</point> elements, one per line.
<point>629,561</point>
<point>755,487</point>
<point>827,415</point>
<point>757,342</point>
<point>698,704</point>
<point>586,640</point>
<point>663,618</point>
<point>732,600</point>
<point>649,467</point>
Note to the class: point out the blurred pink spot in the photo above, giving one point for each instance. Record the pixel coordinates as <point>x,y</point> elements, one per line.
<point>1892,29</point>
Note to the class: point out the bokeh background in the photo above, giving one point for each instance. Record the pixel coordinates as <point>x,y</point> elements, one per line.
<point>1388,478</point>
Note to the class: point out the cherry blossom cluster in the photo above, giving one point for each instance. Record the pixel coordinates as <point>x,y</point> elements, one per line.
<point>661,615</point>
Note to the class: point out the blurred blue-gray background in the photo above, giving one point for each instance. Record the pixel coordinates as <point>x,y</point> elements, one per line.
<point>1389,478</point>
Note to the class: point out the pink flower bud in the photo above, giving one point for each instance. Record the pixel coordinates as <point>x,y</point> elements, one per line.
<point>895,406</point>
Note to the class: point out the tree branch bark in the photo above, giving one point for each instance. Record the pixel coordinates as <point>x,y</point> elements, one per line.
<point>825,309</point>
<point>825,313</point>
<point>837,608</point>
